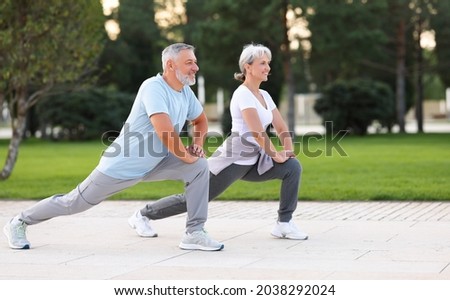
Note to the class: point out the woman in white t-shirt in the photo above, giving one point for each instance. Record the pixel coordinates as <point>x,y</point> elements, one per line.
<point>248,153</point>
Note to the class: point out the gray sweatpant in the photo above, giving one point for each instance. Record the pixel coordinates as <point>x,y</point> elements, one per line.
<point>289,173</point>
<point>98,187</point>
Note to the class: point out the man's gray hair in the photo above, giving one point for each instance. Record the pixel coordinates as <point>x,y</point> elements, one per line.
<point>172,51</point>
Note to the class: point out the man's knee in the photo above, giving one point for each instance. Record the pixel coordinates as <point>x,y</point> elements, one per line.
<point>202,165</point>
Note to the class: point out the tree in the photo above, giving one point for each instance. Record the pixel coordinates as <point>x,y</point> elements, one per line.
<point>440,23</point>
<point>219,30</point>
<point>399,9</point>
<point>136,54</point>
<point>379,40</point>
<point>84,114</point>
<point>43,45</point>
<point>287,65</point>
<point>346,37</point>
<point>423,11</point>
<point>353,105</point>
<point>413,18</point>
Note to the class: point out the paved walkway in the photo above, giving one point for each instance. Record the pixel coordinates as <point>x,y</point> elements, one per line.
<point>348,240</point>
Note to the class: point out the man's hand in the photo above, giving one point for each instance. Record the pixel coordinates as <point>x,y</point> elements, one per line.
<point>195,150</point>
<point>170,138</point>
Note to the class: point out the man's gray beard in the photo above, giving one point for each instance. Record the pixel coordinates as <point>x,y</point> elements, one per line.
<point>184,79</point>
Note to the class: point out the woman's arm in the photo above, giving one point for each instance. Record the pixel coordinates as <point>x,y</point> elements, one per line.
<point>251,118</point>
<point>282,131</point>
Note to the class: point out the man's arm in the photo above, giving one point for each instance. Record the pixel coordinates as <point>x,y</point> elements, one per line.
<point>165,131</point>
<point>200,130</point>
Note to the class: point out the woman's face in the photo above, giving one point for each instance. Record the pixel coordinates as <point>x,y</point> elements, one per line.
<point>259,69</point>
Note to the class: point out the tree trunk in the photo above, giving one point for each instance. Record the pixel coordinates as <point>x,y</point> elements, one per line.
<point>419,79</point>
<point>400,71</point>
<point>288,74</point>
<point>18,124</point>
<point>2,100</point>
<point>291,100</point>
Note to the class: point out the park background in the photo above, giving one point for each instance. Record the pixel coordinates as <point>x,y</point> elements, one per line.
<point>376,70</point>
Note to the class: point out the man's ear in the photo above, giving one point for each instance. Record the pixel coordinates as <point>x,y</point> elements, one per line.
<point>170,65</point>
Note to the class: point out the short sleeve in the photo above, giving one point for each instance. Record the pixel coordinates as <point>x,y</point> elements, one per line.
<point>154,98</point>
<point>244,99</point>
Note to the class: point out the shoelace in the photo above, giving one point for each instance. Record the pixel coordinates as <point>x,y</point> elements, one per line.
<point>205,238</point>
<point>20,231</point>
<point>202,232</point>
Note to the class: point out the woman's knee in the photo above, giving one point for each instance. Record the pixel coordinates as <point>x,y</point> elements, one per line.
<point>294,167</point>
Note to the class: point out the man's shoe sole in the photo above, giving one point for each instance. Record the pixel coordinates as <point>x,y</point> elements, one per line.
<point>199,247</point>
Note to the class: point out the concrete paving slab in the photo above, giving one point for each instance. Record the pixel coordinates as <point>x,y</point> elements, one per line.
<point>382,240</point>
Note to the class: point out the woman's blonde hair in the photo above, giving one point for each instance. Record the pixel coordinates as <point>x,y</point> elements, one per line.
<point>248,55</point>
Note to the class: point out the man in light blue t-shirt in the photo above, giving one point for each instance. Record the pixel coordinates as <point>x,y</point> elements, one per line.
<point>148,148</point>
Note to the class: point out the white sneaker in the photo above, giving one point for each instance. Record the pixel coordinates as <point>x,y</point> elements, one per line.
<point>142,225</point>
<point>199,240</point>
<point>15,231</point>
<point>288,230</point>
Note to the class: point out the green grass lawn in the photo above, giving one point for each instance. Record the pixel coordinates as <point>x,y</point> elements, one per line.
<point>375,167</point>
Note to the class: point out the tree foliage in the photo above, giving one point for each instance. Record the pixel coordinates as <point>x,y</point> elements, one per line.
<point>220,29</point>
<point>378,40</point>
<point>85,114</point>
<point>440,24</point>
<point>345,34</point>
<point>136,54</point>
<point>353,105</point>
<point>43,44</point>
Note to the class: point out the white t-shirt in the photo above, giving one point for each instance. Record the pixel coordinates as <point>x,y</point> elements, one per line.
<point>137,150</point>
<point>243,98</point>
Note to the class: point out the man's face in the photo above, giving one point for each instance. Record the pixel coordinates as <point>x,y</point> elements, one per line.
<point>186,67</point>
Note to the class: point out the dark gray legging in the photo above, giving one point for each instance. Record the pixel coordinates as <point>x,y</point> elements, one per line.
<point>289,173</point>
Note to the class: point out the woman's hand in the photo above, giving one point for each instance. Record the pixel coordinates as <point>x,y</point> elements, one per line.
<point>283,156</point>
<point>280,157</point>
<point>290,153</point>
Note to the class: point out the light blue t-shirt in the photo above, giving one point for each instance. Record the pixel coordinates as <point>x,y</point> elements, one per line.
<point>137,150</point>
